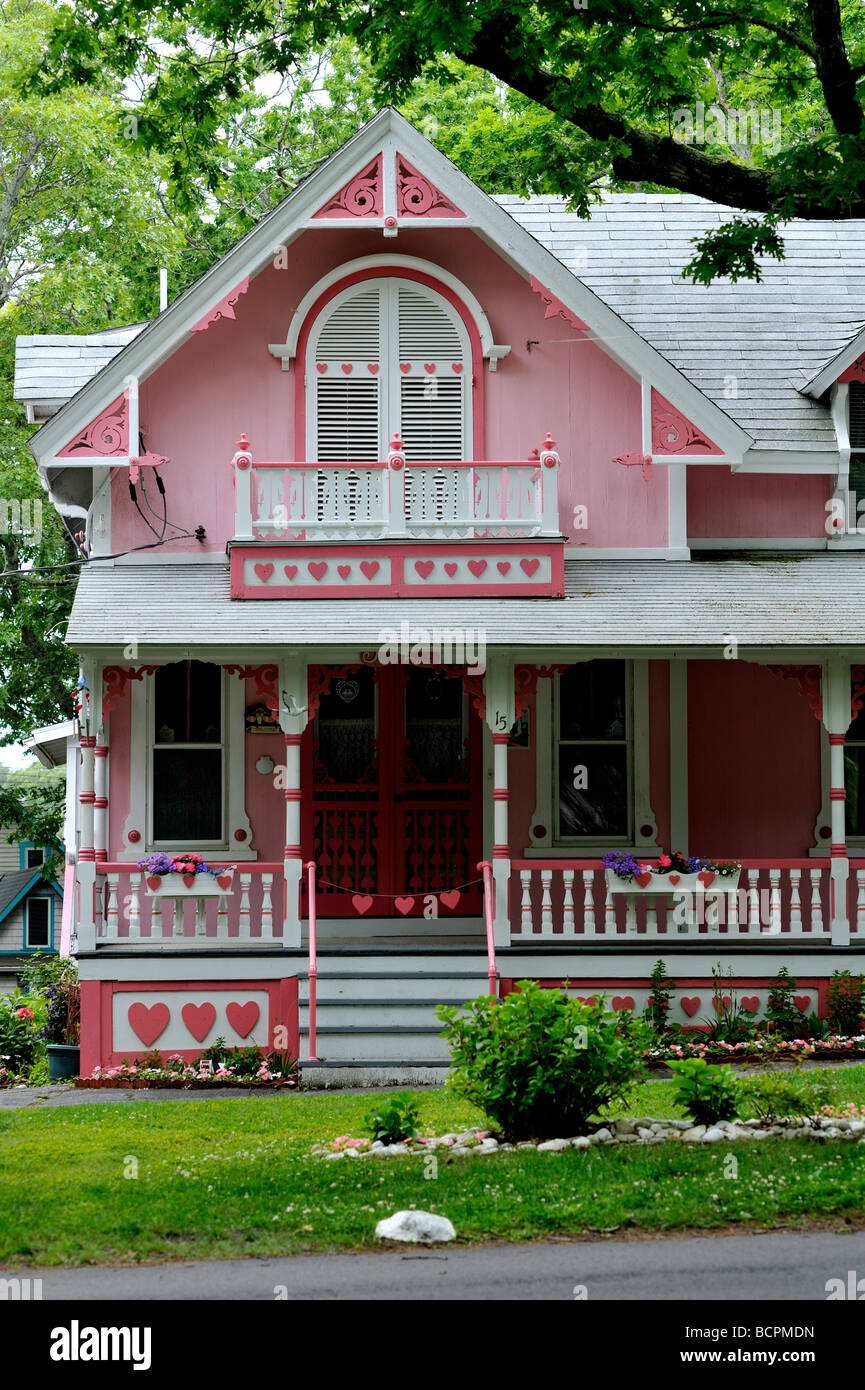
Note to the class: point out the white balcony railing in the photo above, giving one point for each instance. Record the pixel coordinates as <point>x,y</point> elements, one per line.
<point>249,912</point>
<point>397,499</point>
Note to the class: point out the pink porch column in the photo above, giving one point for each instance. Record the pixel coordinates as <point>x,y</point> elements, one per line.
<point>292,864</point>
<point>836,715</point>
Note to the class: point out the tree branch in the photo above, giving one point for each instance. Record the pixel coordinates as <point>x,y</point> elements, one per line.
<point>833,67</point>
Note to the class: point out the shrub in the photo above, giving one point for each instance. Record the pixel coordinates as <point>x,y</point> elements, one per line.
<point>540,1064</point>
<point>845,1001</point>
<point>660,994</point>
<point>730,1023</point>
<point>774,1095</point>
<point>782,1016</point>
<point>20,1025</point>
<point>395,1120</point>
<point>706,1093</point>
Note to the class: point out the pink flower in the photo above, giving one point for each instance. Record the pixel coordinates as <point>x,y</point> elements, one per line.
<point>665,860</point>
<point>23,1013</point>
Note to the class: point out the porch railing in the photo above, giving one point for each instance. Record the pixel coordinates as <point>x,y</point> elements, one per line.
<point>397,499</point>
<point>486,869</point>
<point>776,900</point>
<point>250,912</point>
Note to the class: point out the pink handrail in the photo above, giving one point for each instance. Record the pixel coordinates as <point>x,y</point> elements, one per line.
<point>486,869</point>
<point>313,964</point>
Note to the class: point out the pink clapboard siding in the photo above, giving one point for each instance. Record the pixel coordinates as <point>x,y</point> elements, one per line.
<point>723,503</point>
<point>753,762</point>
<point>224,381</point>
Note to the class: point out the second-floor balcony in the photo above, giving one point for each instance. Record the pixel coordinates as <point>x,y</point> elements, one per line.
<point>397,499</point>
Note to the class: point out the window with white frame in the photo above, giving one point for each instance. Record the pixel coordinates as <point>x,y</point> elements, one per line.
<point>187,755</point>
<point>388,355</point>
<point>593,766</point>
<point>37,918</point>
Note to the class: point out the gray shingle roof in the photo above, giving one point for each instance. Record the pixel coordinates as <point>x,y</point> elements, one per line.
<point>13,884</point>
<point>52,366</point>
<point>810,600</point>
<point>773,337</point>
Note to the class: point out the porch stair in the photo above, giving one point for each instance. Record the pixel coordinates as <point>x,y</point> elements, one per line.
<point>375,1014</point>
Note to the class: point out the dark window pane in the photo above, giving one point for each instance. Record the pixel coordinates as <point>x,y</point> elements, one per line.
<point>856,732</point>
<point>854,779</point>
<point>37,922</point>
<point>187,795</point>
<point>188,703</point>
<point>345,729</point>
<point>435,738</point>
<point>592,700</point>
<point>598,805</point>
<point>35,857</point>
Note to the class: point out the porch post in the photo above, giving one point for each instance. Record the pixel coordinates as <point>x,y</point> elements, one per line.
<point>679,755</point>
<point>87,798</point>
<point>292,695</point>
<point>835,715</point>
<point>500,716</point>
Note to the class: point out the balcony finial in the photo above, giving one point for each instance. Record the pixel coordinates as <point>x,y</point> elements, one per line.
<point>548,443</point>
<point>243,445</point>
<point>396,445</point>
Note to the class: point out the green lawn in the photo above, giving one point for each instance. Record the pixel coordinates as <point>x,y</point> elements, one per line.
<point>235,1177</point>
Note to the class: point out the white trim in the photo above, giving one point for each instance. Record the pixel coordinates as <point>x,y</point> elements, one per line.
<point>627,552</point>
<point>787,461</point>
<point>679,755</point>
<point>758,543</point>
<point>287,351</point>
<point>677,509</point>
<point>836,367</point>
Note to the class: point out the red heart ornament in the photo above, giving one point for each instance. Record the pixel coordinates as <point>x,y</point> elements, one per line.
<point>643,879</point>
<point>199,1019</point>
<point>674,878</point>
<point>457,366</point>
<point>290,571</point>
<point>477,567</point>
<point>621,1002</point>
<point>690,1005</point>
<point>750,1003</point>
<point>503,566</point>
<point>404,905</point>
<point>153,881</point>
<point>264,572</point>
<point>706,877</point>
<point>224,880</point>
<point>188,879</point>
<point>361,902</point>
<point>372,367</point>
<point>592,999</point>
<point>343,571</point>
<point>318,568</point>
<point>429,367</point>
<point>450,568</point>
<point>424,568</point>
<point>450,899</point>
<point>405,366</point>
<point>529,567</point>
<point>148,1021</point>
<point>242,1017</point>
<point>802,1002</point>
<point>321,367</point>
<point>369,568</point>
<point>347,368</point>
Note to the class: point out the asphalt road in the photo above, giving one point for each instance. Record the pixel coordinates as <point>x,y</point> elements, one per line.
<point>755,1268</point>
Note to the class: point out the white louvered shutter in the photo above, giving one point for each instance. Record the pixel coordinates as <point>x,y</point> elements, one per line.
<point>421,383</point>
<point>857,438</point>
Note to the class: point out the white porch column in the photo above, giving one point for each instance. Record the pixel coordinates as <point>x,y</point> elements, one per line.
<point>87,797</point>
<point>499,714</point>
<point>836,718</point>
<point>293,695</point>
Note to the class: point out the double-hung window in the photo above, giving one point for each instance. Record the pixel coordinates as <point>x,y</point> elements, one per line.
<point>594,755</point>
<point>188,755</point>
<point>37,917</point>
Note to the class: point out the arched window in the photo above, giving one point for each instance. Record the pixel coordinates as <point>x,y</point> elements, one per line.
<point>384,355</point>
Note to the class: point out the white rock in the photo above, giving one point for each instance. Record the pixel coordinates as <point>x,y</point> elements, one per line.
<point>581,1143</point>
<point>695,1133</point>
<point>460,1149</point>
<point>527,1144</point>
<point>603,1135</point>
<point>377,1144</point>
<point>857,1126</point>
<point>330,1157</point>
<point>644,1133</point>
<point>423,1227</point>
<point>624,1126</point>
<point>759,1134</point>
<point>713,1135</point>
<point>553,1146</point>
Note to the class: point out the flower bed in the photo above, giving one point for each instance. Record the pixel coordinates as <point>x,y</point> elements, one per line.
<point>675,872</point>
<point>757,1049</point>
<point>269,1072</point>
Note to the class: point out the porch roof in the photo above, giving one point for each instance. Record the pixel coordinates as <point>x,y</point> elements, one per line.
<point>795,601</point>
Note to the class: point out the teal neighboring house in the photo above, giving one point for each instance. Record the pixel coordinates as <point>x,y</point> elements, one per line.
<point>30,913</point>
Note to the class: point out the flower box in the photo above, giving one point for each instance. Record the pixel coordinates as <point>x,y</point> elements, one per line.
<point>649,885</point>
<point>190,885</point>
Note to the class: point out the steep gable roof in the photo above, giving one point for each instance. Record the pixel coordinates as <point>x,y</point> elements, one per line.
<point>14,887</point>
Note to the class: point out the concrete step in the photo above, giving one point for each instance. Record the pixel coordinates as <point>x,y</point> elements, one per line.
<point>411,1048</point>
<point>366,987</point>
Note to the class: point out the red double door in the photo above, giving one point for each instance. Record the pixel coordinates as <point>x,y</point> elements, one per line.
<point>394,819</point>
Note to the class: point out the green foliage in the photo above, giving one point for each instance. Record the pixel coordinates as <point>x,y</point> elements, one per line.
<point>730,1022</point>
<point>782,1016</point>
<point>32,808</point>
<point>246,1061</point>
<point>771,1096</point>
<point>845,1003</point>
<point>540,1064</point>
<point>706,1093</point>
<point>660,994</point>
<point>20,1024</point>
<point>394,1120</point>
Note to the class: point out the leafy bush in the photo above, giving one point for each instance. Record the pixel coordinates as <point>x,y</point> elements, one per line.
<point>247,1061</point>
<point>660,994</point>
<point>775,1095</point>
<point>540,1064</point>
<point>845,1003</point>
<point>731,1023</point>
<point>706,1093</point>
<point>395,1120</point>
<point>20,1025</point>
<point>782,1016</point>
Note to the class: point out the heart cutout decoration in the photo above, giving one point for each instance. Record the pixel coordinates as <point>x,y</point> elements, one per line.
<point>477,567</point>
<point>369,568</point>
<point>690,1005</point>
<point>199,1019</point>
<point>457,366</point>
<point>153,881</point>
<point>290,571</point>
<point>318,569</point>
<point>503,566</point>
<point>450,568</point>
<point>802,1002</point>
<point>404,905</point>
<point>429,368</point>
<point>343,571</point>
<point>361,902</point>
<point>621,1002</point>
<point>189,879</point>
<point>372,367</point>
<point>750,1003</point>
<point>264,572</point>
<point>706,877</point>
<point>674,878</point>
<point>405,366</point>
<point>529,567</point>
<point>242,1017</point>
<point>450,899</point>
<point>321,367</point>
<point>424,568</point>
<point>592,999</point>
<point>148,1021</point>
<point>224,880</point>
<point>643,879</point>
<point>721,1005</point>
<point>347,367</point>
